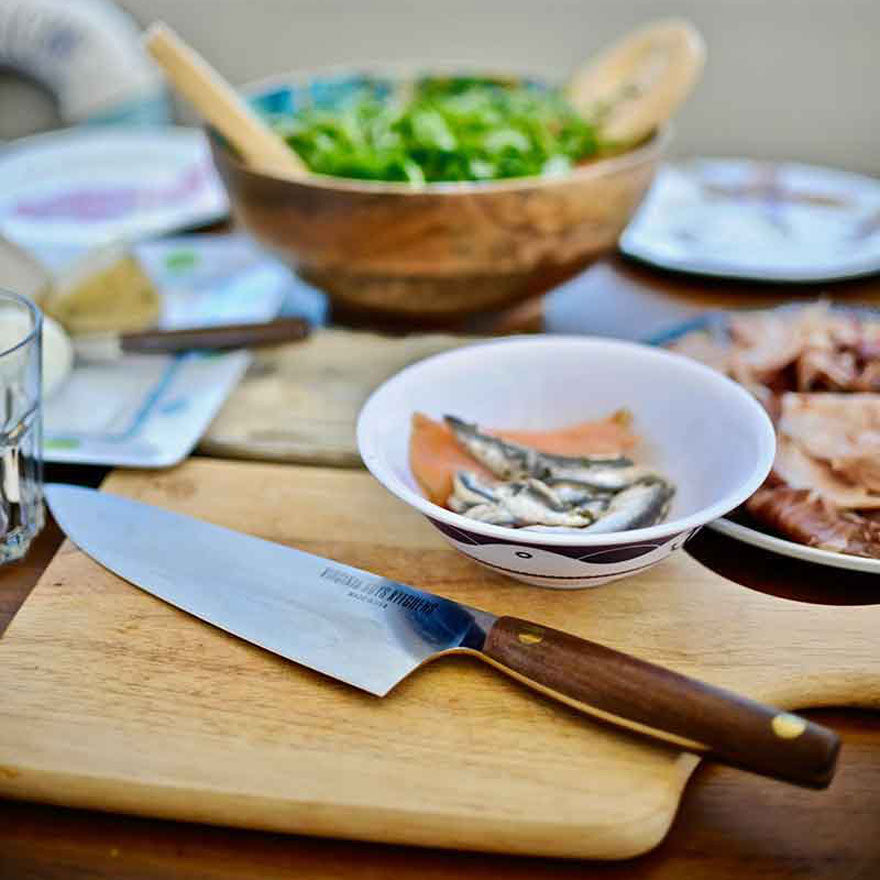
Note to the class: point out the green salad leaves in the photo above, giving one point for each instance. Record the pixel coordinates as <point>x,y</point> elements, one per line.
<point>443,129</point>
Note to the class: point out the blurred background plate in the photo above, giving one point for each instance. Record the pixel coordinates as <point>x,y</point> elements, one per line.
<point>91,185</point>
<point>764,221</point>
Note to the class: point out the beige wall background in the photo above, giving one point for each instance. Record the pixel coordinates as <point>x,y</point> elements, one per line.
<point>794,79</point>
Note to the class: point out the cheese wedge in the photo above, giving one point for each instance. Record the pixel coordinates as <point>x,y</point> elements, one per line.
<point>105,291</point>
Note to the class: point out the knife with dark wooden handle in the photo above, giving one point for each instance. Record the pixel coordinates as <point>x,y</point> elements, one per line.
<point>103,347</point>
<point>372,632</point>
<point>663,704</point>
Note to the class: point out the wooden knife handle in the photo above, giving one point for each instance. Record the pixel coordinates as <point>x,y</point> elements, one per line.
<point>649,699</point>
<point>217,338</point>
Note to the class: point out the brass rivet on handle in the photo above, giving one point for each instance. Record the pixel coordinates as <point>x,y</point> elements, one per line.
<point>787,726</point>
<point>530,638</point>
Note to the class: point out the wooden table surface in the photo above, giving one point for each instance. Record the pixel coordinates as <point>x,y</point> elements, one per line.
<point>730,825</point>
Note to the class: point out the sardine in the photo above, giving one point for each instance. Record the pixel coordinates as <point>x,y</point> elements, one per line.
<point>456,505</point>
<point>532,504</point>
<point>607,477</point>
<point>468,489</point>
<point>506,460</point>
<point>572,494</point>
<point>519,503</point>
<point>635,507</point>
<point>512,461</point>
<point>568,461</point>
<point>495,514</point>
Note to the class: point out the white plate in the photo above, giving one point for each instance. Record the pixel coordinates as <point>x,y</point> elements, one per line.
<point>795,551</point>
<point>738,218</point>
<point>146,411</point>
<point>151,410</point>
<point>86,186</point>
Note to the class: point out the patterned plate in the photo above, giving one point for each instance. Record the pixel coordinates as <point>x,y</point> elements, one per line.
<point>737,218</point>
<point>86,186</point>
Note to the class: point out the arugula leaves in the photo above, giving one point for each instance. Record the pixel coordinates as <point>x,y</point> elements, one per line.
<point>443,129</point>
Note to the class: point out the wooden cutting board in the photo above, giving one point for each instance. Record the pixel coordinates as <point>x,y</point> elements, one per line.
<point>113,700</point>
<point>299,403</point>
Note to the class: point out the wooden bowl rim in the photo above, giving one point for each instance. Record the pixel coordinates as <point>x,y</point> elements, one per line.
<point>644,152</point>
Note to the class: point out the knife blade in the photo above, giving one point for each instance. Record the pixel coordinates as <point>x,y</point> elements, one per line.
<point>372,632</point>
<point>101,347</point>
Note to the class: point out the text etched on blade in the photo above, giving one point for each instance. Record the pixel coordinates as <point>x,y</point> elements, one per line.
<point>380,594</point>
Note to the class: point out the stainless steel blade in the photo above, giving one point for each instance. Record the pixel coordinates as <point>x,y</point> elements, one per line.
<point>352,625</point>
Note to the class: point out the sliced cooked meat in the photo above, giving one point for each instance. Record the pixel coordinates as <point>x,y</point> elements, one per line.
<point>797,469</point>
<point>868,345</point>
<point>804,517</point>
<point>861,470</point>
<point>842,429</point>
<point>868,378</point>
<point>819,368</point>
<point>817,373</point>
<point>700,346</point>
<point>765,345</point>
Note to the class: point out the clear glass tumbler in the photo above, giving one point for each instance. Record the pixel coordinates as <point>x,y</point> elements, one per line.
<point>21,427</point>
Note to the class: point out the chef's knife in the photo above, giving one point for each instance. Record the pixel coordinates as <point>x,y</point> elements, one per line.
<point>372,632</point>
<point>99,347</point>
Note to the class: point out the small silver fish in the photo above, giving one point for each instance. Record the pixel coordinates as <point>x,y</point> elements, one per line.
<point>468,489</point>
<point>511,461</point>
<point>494,514</point>
<point>506,460</point>
<point>635,507</point>
<point>456,505</point>
<point>572,494</point>
<point>564,461</point>
<point>595,508</point>
<point>607,477</point>
<point>531,504</point>
<point>520,503</point>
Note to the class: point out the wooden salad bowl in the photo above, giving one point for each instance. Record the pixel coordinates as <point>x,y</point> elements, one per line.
<point>441,251</point>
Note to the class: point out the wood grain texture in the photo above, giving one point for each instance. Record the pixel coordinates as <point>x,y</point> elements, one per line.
<point>654,700</point>
<point>216,100</point>
<point>622,298</point>
<point>299,403</point>
<point>116,701</point>
<point>393,249</point>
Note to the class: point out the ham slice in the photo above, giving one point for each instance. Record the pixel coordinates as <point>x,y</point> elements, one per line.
<point>805,517</point>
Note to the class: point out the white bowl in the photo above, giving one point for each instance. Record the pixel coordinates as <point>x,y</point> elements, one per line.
<point>703,431</point>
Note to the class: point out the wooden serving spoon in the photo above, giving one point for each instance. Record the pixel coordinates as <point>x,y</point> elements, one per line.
<point>638,83</point>
<point>221,105</point>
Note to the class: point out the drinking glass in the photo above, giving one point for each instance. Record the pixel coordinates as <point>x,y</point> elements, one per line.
<point>21,429</point>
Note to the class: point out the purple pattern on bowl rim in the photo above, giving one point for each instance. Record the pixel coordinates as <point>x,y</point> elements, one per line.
<point>596,554</point>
